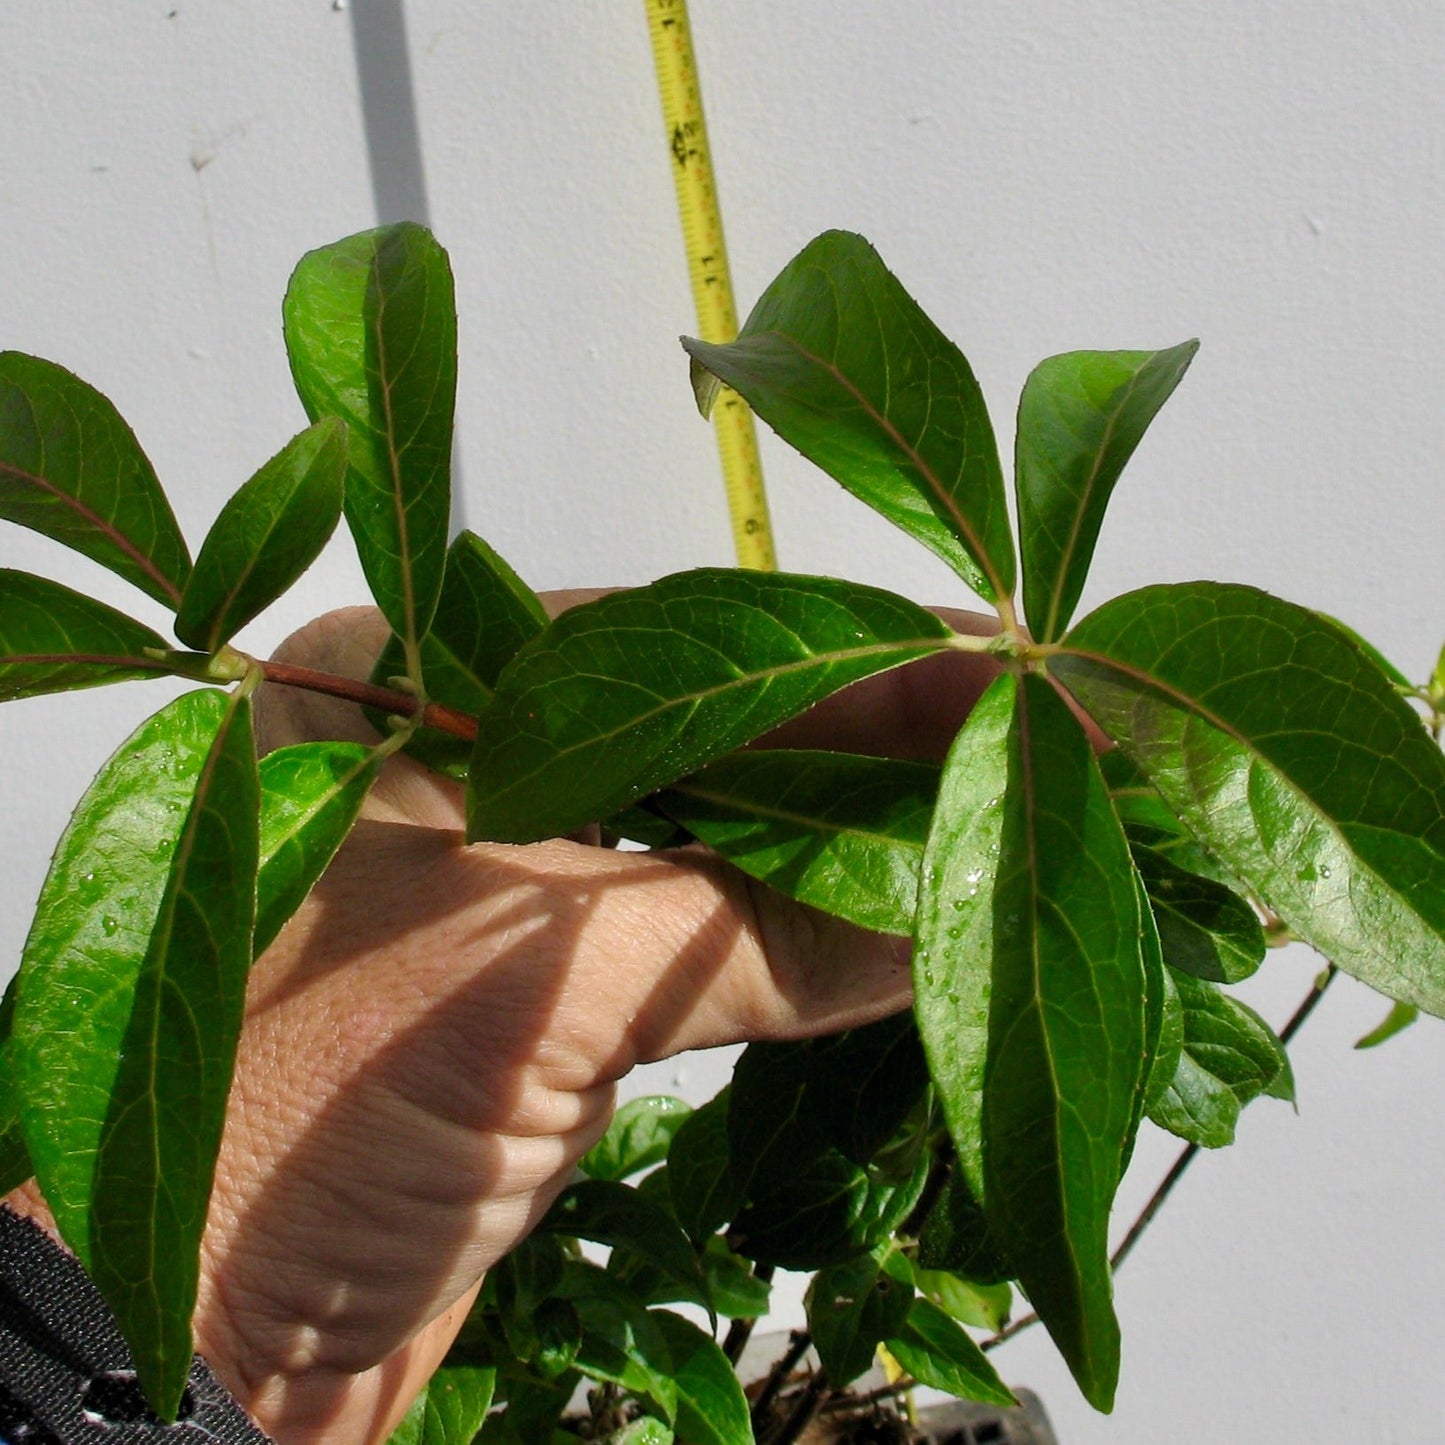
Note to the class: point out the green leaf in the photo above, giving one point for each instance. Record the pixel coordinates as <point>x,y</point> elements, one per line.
<point>852,1307</point>
<point>128,1011</point>
<point>1081,416</point>
<point>1395,676</point>
<point>1400,1017</point>
<point>645,1430</point>
<point>830,1210</point>
<point>1291,757</point>
<point>638,1137</point>
<point>711,1406</point>
<point>736,1292</point>
<point>956,1237</point>
<point>956,923</point>
<point>842,363</point>
<point>938,1353</point>
<point>622,1342</point>
<point>1229,1057</point>
<point>485,614</point>
<point>596,713</point>
<point>72,469</point>
<point>311,794</point>
<point>834,830</point>
<point>1204,928</point>
<point>789,1102</point>
<point>1165,1063</point>
<point>53,639</point>
<point>1051,922</point>
<point>985,1306</point>
<point>704,1191</point>
<point>267,535</point>
<point>450,1410</point>
<point>371,331</point>
<point>610,1213</point>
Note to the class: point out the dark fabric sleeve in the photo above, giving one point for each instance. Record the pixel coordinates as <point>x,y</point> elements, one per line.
<point>66,1375</point>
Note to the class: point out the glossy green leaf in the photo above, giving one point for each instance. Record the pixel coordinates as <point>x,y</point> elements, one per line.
<point>736,1292</point>
<point>371,331</point>
<point>952,978</point>
<point>1395,676</point>
<point>852,1307</point>
<point>711,1406</point>
<point>1081,416</point>
<point>1229,1057</point>
<point>1291,757</point>
<point>622,1342</point>
<point>449,1410</point>
<point>843,364</point>
<point>311,794</point>
<point>937,1352</point>
<point>704,1191</point>
<point>610,1213</point>
<point>71,468</point>
<point>834,830</point>
<point>1204,928</point>
<point>267,535</point>
<point>128,1012</point>
<point>596,712</point>
<point>984,1306</point>
<point>1165,1063</point>
<point>645,1430</point>
<point>53,639</point>
<point>638,1137</point>
<point>1052,921</point>
<point>1400,1017</point>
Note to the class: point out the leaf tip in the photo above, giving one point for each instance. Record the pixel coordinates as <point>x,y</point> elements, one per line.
<point>705,385</point>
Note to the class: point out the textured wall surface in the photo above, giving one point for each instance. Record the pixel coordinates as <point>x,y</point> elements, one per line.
<point>1043,175</point>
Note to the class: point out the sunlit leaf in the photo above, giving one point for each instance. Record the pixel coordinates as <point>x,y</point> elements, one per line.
<point>984,1306</point>
<point>1400,1017</point>
<point>834,830</point>
<point>1081,416</point>
<point>311,794</point>
<point>53,639</point>
<point>938,1352</point>
<point>1291,757</point>
<point>371,331</point>
<point>128,1012</point>
<point>449,1410</point>
<point>595,713</point>
<point>71,468</point>
<point>638,1137</point>
<point>711,1406</point>
<point>1052,922</point>
<point>1229,1056</point>
<point>842,362</point>
<point>267,535</point>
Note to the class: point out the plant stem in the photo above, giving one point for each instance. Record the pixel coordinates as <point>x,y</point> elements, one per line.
<point>1176,1172</point>
<point>804,1408</point>
<point>366,694</point>
<point>778,1375</point>
<point>741,1331</point>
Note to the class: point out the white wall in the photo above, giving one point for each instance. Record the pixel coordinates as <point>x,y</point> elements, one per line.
<point>1043,174</point>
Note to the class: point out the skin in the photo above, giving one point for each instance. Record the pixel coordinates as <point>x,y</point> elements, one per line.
<point>435,1039</point>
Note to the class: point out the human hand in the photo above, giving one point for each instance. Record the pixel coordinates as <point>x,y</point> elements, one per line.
<point>435,1039</point>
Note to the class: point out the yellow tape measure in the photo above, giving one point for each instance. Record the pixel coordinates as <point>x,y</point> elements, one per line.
<point>707,264</point>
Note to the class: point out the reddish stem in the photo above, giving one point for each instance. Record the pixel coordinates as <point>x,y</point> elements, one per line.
<point>388,700</point>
